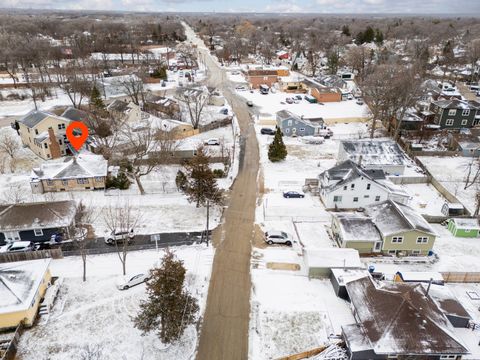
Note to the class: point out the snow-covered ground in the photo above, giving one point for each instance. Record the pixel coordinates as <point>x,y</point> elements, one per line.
<point>425,198</point>
<point>97,314</point>
<point>451,172</point>
<point>271,103</point>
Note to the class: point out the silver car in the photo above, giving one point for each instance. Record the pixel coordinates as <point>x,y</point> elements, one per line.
<point>278,237</point>
<point>127,281</point>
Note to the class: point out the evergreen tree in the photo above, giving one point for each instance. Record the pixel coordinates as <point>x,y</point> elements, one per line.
<point>346,30</point>
<point>378,36</point>
<point>277,151</point>
<point>96,100</point>
<point>369,35</point>
<point>169,308</point>
<point>200,185</point>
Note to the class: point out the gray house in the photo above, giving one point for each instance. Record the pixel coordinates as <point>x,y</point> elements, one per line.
<point>294,125</point>
<point>456,114</point>
<point>36,222</point>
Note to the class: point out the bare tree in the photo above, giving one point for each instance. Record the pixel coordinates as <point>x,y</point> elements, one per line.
<point>83,233</point>
<point>122,219</point>
<point>473,173</point>
<point>474,56</point>
<point>91,352</point>
<point>357,59</point>
<point>10,146</point>
<point>133,86</point>
<point>195,100</point>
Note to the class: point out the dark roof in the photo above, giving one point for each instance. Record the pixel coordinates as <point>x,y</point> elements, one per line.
<point>37,215</point>
<point>34,117</point>
<point>262,73</point>
<point>391,218</point>
<point>347,171</point>
<point>75,114</point>
<point>458,104</point>
<point>397,318</point>
<point>375,152</point>
<point>118,105</point>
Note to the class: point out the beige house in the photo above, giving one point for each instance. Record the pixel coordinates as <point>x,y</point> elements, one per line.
<point>124,111</point>
<point>22,286</point>
<point>83,172</point>
<point>388,228</point>
<point>44,133</point>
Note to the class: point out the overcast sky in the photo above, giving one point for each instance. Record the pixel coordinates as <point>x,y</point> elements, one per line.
<point>469,7</point>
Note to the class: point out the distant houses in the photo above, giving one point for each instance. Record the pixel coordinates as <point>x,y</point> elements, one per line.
<point>83,172</point>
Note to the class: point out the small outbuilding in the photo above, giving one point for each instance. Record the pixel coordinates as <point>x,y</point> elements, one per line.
<point>321,262</point>
<point>464,227</point>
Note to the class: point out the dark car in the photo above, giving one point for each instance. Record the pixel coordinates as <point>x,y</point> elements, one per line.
<point>293,194</point>
<point>267,131</point>
<point>298,97</point>
<point>249,103</point>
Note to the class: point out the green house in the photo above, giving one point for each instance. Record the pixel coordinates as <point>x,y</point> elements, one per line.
<point>463,227</point>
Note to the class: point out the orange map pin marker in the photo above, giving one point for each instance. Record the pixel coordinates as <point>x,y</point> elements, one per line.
<point>77,141</point>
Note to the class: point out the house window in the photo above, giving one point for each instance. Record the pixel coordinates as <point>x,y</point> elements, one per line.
<point>345,187</point>
<point>366,196</point>
<point>452,112</point>
<point>397,239</point>
<point>378,246</point>
<point>416,252</point>
<point>422,240</point>
<point>98,178</point>
<point>60,142</point>
<point>12,235</point>
<point>50,182</point>
<point>466,112</point>
<point>302,129</point>
<point>337,199</point>
<point>64,182</point>
<point>352,186</point>
<point>61,126</point>
<point>82,181</point>
<point>36,131</point>
<point>392,252</point>
<point>449,122</point>
<point>377,198</point>
<point>45,146</point>
<point>446,357</point>
<point>289,123</point>
<point>368,186</point>
<point>287,131</point>
<point>38,232</point>
<point>355,199</point>
<point>464,121</point>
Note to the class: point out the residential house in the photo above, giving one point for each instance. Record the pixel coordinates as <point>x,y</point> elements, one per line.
<point>22,286</point>
<point>294,125</point>
<point>45,134</point>
<point>349,186</point>
<point>398,321</point>
<point>126,112</point>
<point>375,154</point>
<point>36,222</point>
<point>356,231</point>
<point>260,77</point>
<point>176,129</point>
<point>157,105</point>
<point>82,172</point>
<point>332,81</point>
<point>323,93</point>
<point>293,84</point>
<point>404,231</point>
<point>467,141</point>
<point>464,227</point>
<point>73,114</point>
<point>456,114</point>
<point>410,120</point>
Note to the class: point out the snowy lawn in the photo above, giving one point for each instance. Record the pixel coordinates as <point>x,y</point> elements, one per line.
<point>291,313</point>
<point>271,103</point>
<point>96,313</point>
<point>451,173</point>
<point>425,199</point>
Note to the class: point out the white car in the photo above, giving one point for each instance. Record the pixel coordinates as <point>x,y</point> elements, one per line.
<point>119,236</point>
<point>18,246</point>
<point>278,237</point>
<point>212,141</point>
<point>127,281</point>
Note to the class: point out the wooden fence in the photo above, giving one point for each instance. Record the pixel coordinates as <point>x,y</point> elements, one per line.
<point>461,277</point>
<point>11,349</point>
<point>31,255</point>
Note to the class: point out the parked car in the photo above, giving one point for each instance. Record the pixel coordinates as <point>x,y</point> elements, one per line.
<point>326,133</point>
<point>293,194</point>
<point>278,237</point>
<point>289,100</point>
<point>360,102</point>
<point>241,88</point>
<point>120,236</point>
<point>212,141</point>
<point>18,246</point>
<point>224,111</point>
<point>298,97</point>
<point>127,281</point>
<point>478,93</point>
<point>267,131</point>
<point>249,103</point>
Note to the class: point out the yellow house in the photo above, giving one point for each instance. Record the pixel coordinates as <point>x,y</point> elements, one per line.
<point>22,286</point>
<point>44,133</point>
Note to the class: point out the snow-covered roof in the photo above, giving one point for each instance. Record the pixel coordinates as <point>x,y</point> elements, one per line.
<point>283,115</point>
<point>84,165</point>
<point>446,300</point>
<point>457,104</point>
<point>420,276</point>
<point>41,215</point>
<point>392,218</point>
<point>19,282</point>
<point>466,223</point>
<point>357,227</point>
<point>333,258</point>
<point>344,276</point>
<point>398,319</point>
<point>34,117</point>
<point>374,152</point>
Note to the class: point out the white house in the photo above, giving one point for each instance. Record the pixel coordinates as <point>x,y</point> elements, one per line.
<point>127,112</point>
<point>348,186</point>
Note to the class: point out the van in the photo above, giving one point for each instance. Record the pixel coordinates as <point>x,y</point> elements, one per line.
<point>264,89</point>
<point>310,99</point>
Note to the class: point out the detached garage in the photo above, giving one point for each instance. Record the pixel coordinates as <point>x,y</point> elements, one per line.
<point>463,227</point>
<point>320,262</point>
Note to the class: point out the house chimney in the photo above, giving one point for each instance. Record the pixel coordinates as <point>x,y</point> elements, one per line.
<point>360,159</point>
<point>54,146</point>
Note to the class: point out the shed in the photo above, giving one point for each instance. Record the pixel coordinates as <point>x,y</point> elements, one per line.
<point>464,227</point>
<point>320,262</point>
<point>452,209</point>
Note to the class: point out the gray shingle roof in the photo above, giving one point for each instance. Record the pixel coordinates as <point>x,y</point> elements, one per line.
<point>34,117</point>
